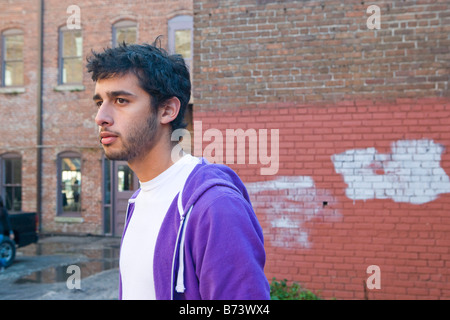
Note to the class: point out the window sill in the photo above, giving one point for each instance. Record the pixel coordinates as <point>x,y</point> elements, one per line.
<point>69,219</point>
<point>12,90</point>
<point>69,87</point>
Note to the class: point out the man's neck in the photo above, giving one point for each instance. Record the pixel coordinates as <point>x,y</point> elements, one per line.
<point>152,164</point>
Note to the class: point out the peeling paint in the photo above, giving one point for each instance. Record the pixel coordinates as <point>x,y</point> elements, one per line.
<point>298,201</point>
<point>411,173</point>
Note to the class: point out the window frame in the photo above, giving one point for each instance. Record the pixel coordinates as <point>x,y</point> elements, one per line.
<point>61,58</point>
<point>107,194</point>
<point>5,34</point>
<point>123,24</point>
<point>60,210</point>
<point>4,185</point>
<point>181,22</point>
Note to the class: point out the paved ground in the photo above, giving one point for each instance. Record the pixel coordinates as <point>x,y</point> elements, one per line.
<point>40,271</point>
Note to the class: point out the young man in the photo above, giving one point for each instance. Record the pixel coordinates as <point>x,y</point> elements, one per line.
<point>190,231</point>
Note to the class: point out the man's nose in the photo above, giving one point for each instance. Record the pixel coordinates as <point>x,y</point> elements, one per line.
<point>104,116</point>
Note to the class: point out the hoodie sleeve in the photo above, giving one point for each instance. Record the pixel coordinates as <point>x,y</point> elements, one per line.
<point>228,250</point>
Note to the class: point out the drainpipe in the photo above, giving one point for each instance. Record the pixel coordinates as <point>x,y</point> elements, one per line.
<point>39,113</point>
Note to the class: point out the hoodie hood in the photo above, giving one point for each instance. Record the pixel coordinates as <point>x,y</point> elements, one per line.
<point>205,177</point>
<point>196,229</point>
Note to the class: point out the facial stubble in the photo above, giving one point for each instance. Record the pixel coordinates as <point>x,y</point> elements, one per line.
<point>137,142</point>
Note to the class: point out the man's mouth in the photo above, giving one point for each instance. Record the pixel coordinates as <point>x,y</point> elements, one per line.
<point>107,138</point>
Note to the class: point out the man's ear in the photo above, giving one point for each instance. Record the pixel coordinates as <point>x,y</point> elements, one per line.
<point>169,111</point>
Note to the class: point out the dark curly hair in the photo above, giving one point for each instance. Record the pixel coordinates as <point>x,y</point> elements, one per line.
<point>161,75</point>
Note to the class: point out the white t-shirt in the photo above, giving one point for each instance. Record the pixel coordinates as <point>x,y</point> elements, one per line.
<point>138,245</point>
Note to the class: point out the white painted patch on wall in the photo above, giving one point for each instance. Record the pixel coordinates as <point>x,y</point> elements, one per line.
<point>297,201</point>
<point>412,173</point>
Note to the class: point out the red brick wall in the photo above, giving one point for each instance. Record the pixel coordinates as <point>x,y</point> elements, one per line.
<point>363,118</point>
<point>18,111</point>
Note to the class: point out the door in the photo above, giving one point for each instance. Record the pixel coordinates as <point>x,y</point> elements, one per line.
<point>125,183</point>
<point>119,184</point>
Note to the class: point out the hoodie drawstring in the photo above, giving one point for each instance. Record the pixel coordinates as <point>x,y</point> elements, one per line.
<point>180,288</point>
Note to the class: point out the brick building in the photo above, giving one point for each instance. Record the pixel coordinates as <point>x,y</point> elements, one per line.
<point>51,160</point>
<point>350,128</point>
<point>363,117</point>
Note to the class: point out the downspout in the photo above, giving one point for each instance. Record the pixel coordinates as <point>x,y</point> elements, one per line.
<point>39,113</point>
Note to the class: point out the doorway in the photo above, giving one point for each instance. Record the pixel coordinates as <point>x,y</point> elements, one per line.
<point>119,184</point>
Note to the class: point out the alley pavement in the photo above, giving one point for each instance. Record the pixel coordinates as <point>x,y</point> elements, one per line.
<point>50,269</point>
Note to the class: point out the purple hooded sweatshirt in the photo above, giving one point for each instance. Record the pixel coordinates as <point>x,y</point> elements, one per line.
<point>210,245</point>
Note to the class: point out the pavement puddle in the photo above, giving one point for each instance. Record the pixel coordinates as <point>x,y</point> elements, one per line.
<point>91,257</point>
<point>62,273</point>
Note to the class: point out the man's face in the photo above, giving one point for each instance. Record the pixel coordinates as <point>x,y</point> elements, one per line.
<point>128,126</point>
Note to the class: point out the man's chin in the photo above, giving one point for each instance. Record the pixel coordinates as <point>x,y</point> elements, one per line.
<point>111,155</point>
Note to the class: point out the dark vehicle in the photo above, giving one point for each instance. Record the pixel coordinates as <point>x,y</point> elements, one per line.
<point>24,227</point>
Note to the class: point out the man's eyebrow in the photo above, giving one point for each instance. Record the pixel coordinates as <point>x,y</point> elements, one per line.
<point>114,94</point>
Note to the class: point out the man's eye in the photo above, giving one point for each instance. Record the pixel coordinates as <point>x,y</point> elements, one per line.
<point>121,101</point>
<point>99,103</point>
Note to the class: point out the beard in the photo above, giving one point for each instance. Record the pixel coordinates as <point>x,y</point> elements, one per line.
<point>135,143</point>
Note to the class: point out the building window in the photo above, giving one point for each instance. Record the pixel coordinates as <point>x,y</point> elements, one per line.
<point>107,197</point>
<point>11,181</point>
<point>180,31</point>
<point>70,56</point>
<point>180,37</point>
<point>125,178</point>
<point>12,58</point>
<point>124,31</point>
<point>69,184</point>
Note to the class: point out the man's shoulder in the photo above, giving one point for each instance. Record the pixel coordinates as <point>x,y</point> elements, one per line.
<point>210,182</point>
<point>206,173</point>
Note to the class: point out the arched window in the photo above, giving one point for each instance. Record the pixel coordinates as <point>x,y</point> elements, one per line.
<point>181,29</point>
<point>124,31</point>
<point>12,58</point>
<point>181,37</point>
<point>11,181</point>
<point>69,184</point>
<point>70,56</point>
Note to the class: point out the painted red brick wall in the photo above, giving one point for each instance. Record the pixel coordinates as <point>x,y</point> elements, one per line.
<point>363,118</point>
